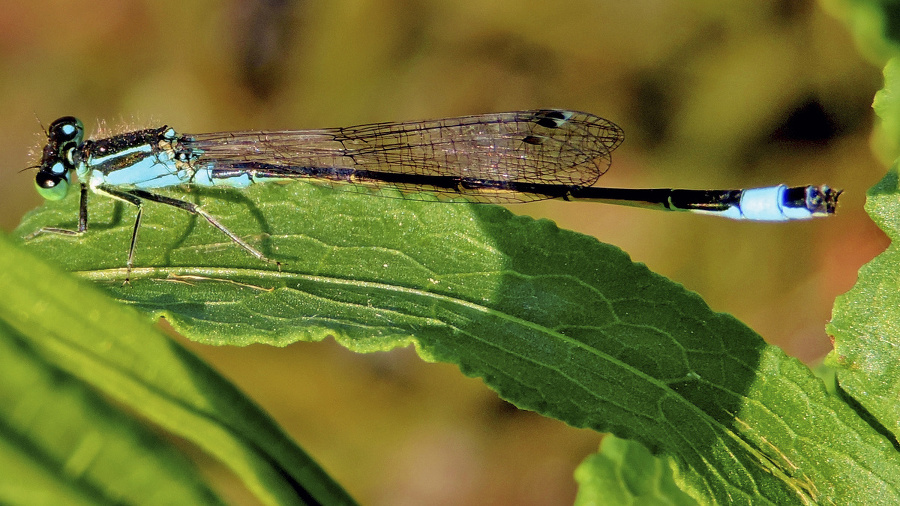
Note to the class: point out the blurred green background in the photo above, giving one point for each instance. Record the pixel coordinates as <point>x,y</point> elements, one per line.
<point>710,94</point>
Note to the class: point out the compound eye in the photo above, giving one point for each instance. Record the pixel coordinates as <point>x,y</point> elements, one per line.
<point>50,185</point>
<point>65,130</point>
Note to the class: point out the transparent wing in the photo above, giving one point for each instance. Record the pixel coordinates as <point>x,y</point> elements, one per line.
<point>489,157</point>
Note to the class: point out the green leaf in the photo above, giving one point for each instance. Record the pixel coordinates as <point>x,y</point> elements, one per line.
<point>873,24</point>
<point>60,340</point>
<point>62,443</point>
<point>554,321</point>
<point>887,106</point>
<point>32,482</point>
<point>624,472</point>
<point>866,322</point>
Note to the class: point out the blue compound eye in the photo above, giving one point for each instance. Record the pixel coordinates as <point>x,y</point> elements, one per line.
<point>65,130</point>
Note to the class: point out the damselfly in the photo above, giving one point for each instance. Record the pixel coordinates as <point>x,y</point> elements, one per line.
<point>508,157</point>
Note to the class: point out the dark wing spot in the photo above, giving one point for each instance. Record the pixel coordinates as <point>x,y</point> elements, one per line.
<point>533,140</point>
<point>550,119</point>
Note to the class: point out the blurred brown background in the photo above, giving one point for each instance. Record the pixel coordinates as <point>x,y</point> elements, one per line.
<point>710,95</point>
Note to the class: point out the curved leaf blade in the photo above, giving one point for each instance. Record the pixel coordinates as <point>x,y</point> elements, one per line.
<point>116,351</point>
<point>554,321</point>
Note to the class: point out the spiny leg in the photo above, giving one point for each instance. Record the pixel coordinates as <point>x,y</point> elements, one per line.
<point>135,201</point>
<point>137,225</point>
<point>83,209</point>
<point>135,196</point>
